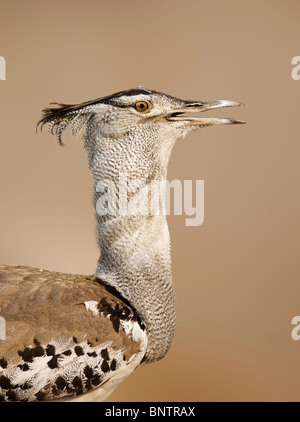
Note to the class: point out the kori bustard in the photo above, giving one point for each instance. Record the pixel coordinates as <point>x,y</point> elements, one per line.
<point>76,337</point>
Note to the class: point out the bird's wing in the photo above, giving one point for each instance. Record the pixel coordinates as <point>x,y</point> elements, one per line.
<point>65,335</point>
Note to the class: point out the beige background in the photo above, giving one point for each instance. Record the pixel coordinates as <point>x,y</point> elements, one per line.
<point>237,275</point>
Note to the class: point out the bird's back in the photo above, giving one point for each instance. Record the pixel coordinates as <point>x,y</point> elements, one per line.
<point>65,335</point>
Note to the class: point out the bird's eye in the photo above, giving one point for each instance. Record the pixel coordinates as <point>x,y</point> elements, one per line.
<point>141,106</point>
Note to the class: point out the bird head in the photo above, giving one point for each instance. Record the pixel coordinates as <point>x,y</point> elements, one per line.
<point>137,127</point>
<point>135,109</point>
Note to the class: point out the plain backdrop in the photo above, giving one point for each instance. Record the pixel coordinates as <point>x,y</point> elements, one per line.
<point>237,275</point>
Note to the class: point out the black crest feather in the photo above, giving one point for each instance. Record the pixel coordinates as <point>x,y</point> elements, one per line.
<point>73,117</point>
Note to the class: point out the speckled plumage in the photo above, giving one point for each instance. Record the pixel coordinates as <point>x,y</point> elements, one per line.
<point>76,337</point>
<point>62,346</point>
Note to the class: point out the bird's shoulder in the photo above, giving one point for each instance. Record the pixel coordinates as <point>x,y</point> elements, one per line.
<point>66,334</point>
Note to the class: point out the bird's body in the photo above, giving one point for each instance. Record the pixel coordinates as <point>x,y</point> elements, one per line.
<point>67,335</point>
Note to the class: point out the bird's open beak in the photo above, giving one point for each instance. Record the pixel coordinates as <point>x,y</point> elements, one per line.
<point>194,107</point>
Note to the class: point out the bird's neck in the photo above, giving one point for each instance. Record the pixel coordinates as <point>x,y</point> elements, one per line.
<point>135,246</point>
<point>135,259</point>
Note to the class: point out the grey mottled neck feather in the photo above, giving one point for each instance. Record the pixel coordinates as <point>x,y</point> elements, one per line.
<point>135,249</point>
